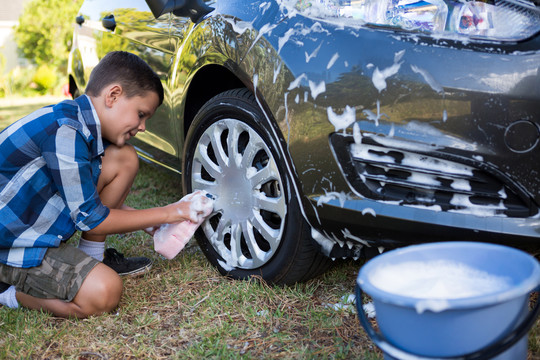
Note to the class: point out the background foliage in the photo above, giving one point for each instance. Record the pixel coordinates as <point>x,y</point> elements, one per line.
<point>43,36</point>
<point>45,31</point>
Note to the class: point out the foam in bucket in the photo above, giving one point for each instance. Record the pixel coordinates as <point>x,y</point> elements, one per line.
<point>436,280</point>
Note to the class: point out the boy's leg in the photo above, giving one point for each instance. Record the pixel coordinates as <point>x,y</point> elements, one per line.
<point>67,283</point>
<point>119,168</point>
<point>99,293</point>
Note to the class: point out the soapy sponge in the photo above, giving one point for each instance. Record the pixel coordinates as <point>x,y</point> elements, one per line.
<point>170,239</point>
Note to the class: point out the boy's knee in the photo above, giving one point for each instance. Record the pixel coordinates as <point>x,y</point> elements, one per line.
<point>123,159</point>
<point>110,294</point>
<point>125,154</point>
<point>100,292</point>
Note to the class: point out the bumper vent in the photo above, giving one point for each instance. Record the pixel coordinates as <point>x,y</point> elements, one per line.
<point>424,180</point>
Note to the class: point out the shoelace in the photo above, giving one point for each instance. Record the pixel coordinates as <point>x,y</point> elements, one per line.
<point>115,255</point>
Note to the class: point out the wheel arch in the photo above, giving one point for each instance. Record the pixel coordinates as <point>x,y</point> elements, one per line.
<point>199,91</point>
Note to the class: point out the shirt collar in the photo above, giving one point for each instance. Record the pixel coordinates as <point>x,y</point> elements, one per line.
<point>91,120</point>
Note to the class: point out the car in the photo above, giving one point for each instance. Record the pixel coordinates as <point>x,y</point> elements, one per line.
<point>336,129</point>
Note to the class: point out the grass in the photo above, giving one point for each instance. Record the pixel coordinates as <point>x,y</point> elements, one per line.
<point>12,109</point>
<point>184,309</point>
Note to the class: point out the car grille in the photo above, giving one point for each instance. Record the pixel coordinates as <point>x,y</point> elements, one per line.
<point>433,181</point>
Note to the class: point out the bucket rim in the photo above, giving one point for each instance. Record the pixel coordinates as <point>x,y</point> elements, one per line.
<point>531,283</point>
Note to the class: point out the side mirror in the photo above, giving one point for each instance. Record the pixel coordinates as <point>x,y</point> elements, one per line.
<point>160,7</point>
<point>194,9</point>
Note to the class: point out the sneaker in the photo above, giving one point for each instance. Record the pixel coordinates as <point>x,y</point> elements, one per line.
<point>131,266</point>
<point>3,287</point>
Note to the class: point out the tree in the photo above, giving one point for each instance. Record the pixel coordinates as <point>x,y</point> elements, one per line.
<point>45,31</point>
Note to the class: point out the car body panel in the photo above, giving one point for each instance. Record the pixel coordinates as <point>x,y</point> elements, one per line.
<point>330,91</point>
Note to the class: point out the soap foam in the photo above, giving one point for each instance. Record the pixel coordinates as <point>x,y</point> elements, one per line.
<point>438,279</point>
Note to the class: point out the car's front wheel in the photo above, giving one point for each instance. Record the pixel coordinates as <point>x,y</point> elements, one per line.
<point>257,227</point>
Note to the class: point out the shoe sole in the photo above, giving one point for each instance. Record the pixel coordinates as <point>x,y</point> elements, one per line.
<point>137,272</point>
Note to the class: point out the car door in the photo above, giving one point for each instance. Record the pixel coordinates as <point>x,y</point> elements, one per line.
<point>139,32</point>
<point>129,25</point>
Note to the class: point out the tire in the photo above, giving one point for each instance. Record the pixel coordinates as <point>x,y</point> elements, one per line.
<point>257,228</point>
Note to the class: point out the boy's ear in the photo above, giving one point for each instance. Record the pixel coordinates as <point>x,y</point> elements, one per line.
<point>112,93</point>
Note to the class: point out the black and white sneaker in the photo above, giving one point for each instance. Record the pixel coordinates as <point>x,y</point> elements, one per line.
<point>131,266</point>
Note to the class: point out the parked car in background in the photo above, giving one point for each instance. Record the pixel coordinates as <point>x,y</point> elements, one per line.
<point>337,129</point>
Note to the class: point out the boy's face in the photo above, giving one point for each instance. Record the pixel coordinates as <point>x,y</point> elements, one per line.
<point>125,117</point>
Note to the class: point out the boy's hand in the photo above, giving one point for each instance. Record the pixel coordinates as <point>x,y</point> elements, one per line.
<point>151,230</point>
<point>193,207</point>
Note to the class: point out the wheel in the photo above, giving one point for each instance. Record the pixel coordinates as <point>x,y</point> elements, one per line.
<point>257,228</point>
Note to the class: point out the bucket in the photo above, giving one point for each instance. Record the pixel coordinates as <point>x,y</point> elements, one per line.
<point>491,322</point>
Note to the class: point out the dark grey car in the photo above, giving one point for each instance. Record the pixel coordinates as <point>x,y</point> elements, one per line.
<point>331,129</point>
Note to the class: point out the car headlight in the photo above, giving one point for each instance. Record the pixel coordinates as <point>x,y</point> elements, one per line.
<point>487,19</point>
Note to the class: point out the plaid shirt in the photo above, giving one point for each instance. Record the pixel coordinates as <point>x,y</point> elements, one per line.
<point>50,162</point>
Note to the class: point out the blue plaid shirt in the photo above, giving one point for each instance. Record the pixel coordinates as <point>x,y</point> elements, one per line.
<point>50,163</point>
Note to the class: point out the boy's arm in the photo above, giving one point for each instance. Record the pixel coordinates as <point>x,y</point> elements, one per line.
<point>128,219</point>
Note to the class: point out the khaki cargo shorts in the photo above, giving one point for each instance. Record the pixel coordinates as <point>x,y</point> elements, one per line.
<point>59,276</point>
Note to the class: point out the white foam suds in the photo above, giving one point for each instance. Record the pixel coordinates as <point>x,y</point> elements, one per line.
<point>483,210</point>
<point>341,196</point>
<point>326,244</point>
<point>239,27</point>
<point>343,121</point>
<point>332,61</point>
<point>277,69</point>
<point>461,184</point>
<point>265,29</point>
<point>313,54</point>
<point>200,206</point>
<point>347,234</point>
<point>316,89</point>
<point>357,134</point>
<point>296,82</point>
<point>428,78</point>
<point>436,280</point>
<point>369,211</point>
<point>380,76</point>
<point>478,157</point>
<point>265,6</point>
<point>283,40</point>
<point>225,266</point>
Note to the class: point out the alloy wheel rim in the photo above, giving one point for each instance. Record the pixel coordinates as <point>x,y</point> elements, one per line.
<point>233,163</point>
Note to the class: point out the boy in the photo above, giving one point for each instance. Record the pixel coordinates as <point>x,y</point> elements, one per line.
<point>65,168</point>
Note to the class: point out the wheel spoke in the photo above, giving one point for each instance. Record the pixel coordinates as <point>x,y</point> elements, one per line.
<point>219,152</point>
<point>261,177</point>
<point>275,205</point>
<point>198,183</point>
<point>236,246</point>
<point>201,156</point>
<point>272,236</point>
<point>257,254</point>
<point>249,154</point>
<point>232,144</point>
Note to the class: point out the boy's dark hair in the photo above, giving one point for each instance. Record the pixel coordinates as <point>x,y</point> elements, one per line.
<point>128,70</point>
